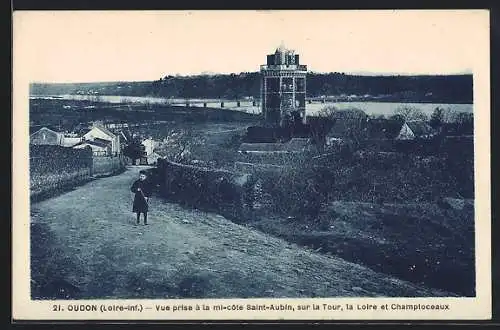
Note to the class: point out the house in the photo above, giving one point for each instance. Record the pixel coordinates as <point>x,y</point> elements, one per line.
<point>46,136</point>
<point>149,145</point>
<point>152,158</point>
<point>347,124</point>
<point>101,133</point>
<point>70,141</point>
<point>389,129</point>
<point>99,148</point>
<point>383,129</point>
<point>415,130</point>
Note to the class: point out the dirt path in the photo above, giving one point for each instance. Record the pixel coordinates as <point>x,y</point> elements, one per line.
<point>87,237</point>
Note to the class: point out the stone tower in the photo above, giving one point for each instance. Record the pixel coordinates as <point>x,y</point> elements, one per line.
<point>283,88</point>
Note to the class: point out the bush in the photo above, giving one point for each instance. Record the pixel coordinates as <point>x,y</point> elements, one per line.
<point>53,167</point>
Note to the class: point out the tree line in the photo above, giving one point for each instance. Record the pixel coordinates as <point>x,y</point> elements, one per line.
<point>429,88</point>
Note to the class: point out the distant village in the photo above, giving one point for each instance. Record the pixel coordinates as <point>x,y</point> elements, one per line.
<point>105,140</point>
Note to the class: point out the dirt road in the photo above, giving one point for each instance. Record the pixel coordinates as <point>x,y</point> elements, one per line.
<point>85,245</point>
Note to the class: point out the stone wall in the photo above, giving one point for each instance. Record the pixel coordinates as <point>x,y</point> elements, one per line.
<point>106,165</point>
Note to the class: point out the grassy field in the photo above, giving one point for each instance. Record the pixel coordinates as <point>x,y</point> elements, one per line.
<point>53,113</point>
<point>422,243</point>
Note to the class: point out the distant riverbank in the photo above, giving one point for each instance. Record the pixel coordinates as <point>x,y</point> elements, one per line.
<point>375,108</point>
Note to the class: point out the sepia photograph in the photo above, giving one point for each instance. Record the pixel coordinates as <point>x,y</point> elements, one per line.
<point>251,164</point>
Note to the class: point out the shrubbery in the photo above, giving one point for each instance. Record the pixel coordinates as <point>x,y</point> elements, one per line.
<point>218,190</point>
<point>52,167</point>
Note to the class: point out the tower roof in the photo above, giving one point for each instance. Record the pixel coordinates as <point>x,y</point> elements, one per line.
<point>282,48</point>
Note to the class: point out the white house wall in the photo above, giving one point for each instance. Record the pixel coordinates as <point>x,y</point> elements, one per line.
<point>93,147</point>
<point>70,141</point>
<point>405,133</point>
<point>98,133</point>
<point>149,145</point>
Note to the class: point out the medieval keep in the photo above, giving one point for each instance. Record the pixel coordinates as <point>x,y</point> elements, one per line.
<point>283,88</point>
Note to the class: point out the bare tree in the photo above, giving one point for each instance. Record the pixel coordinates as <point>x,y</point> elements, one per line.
<point>455,116</point>
<point>411,113</point>
<point>327,112</point>
<point>178,145</point>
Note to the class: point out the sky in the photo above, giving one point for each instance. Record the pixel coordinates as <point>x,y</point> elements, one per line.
<point>91,46</point>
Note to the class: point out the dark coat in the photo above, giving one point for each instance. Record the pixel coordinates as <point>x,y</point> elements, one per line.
<point>140,203</point>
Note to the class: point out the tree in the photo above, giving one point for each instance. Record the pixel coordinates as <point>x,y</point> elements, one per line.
<point>327,112</point>
<point>411,113</point>
<point>465,123</point>
<point>462,122</point>
<point>178,145</point>
<point>437,118</point>
<point>134,150</point>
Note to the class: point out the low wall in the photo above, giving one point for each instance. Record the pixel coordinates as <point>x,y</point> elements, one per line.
<point>54,167</point>
<point>259,170</point>
<point>249,187</point>
<point>103,165</point>
<point>272,158</point>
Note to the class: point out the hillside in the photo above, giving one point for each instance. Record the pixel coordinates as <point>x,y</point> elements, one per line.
<point>439,89</point>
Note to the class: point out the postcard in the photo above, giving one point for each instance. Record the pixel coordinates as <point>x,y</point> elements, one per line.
<point>251,165</point>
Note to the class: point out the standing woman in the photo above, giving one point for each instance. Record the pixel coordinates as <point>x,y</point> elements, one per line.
<point>142,190</point>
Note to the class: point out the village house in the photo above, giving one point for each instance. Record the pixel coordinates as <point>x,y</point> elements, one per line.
<point>99,147</point>
<point>46,136</point>
<point>347,127</point>
<point>347,124</point>
<point>98,133</point>
<point>152,158</point>
<point>411,130</point>
<point>383,129</point>
<point>51,137</point>
<point>149,145</point>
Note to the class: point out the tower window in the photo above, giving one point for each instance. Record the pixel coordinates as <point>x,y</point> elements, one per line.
<point>272,85</point>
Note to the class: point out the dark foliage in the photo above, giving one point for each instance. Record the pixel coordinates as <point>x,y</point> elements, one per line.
<point>50,113</point>
<point>439,89</point>
<point>54,167</point>
<point>134,150</point>
<point>204,188</point>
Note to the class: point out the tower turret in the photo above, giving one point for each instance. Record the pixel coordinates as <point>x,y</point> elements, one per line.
<point>283,88</point>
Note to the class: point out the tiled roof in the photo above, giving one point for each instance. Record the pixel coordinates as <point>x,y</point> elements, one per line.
<point>46,129</point>
<point>94,143</point>
<point>383,128</point>
<point>420,128</point>
<point>104,141</point>
<point>104,129</point>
